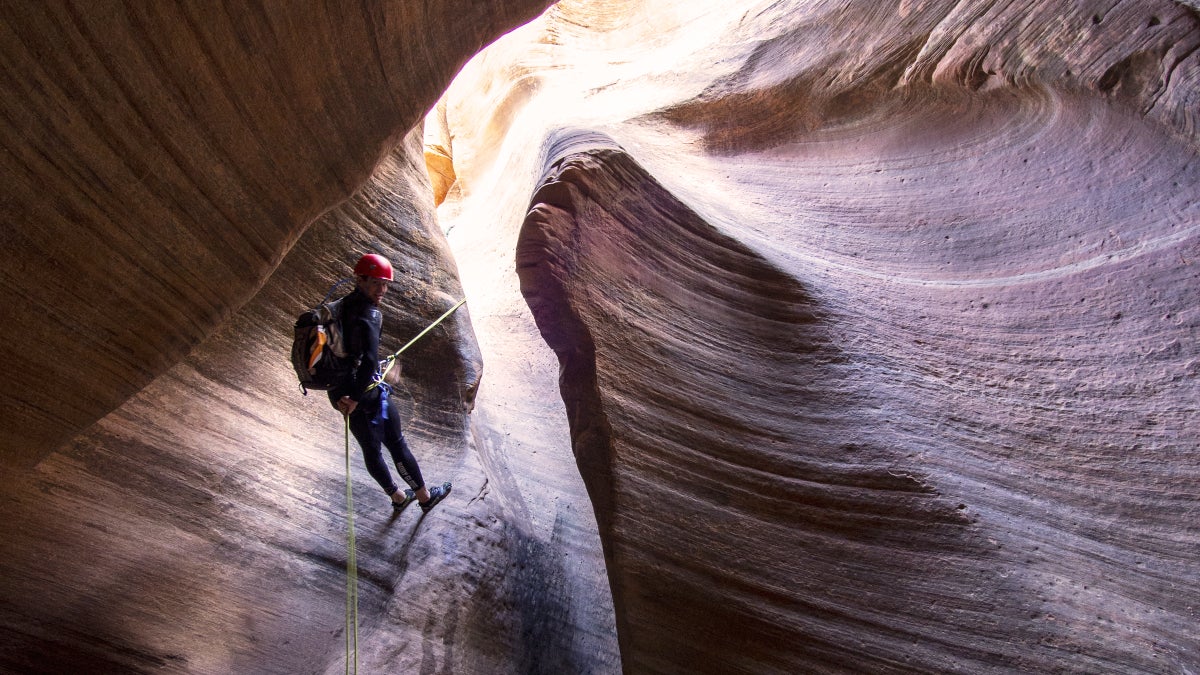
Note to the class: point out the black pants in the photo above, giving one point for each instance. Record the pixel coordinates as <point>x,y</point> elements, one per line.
<point>379,425</point>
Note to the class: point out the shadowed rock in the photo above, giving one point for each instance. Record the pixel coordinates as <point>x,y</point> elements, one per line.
<point>873,329</point>
<point>160,160</point>
<point>876,357</point>
<point>162,167</point>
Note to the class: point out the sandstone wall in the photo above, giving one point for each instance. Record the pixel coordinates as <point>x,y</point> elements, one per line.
<point>875,322</point>
<point>161,159</point>
<point>871,328</point>
<point>180,182</point>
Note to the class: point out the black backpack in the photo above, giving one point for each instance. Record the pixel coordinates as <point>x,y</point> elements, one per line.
<point>318,353</point>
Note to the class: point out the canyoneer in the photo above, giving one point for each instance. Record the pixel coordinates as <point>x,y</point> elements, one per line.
<point>364,398</point>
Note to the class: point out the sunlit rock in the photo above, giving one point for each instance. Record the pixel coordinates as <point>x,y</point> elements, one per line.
<point>876,325</point>
<point>160,160</point>
<point>163,169</point>
<point>801,336</point>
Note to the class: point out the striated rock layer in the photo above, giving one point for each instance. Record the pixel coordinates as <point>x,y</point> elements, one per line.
<point>876,325</point>
<point>159,161</point>
<point>872,328</point>
<point>171,503</point>
<point>200,527</point>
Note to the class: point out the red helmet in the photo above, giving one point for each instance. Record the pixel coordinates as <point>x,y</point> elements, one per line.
<point>373,265</point>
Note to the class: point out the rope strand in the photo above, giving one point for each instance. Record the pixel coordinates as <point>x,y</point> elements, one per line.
<point>391,359</point>
<point>351,568</point>
<point>351,560</point>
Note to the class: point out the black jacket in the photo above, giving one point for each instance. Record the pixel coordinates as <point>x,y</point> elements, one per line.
<point>361,325</point>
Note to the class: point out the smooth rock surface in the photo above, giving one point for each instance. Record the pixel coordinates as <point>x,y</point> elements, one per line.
<point>160,160</point>
<point>162,169</point>
<point>877,325</point>
<point>872,329</point>
<point>201,527</point>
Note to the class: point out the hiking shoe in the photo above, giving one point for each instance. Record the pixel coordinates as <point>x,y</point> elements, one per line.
<point>409,497</point>
<point>436,495</point>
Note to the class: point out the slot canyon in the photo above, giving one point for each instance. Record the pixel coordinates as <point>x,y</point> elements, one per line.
<point>801,336</point>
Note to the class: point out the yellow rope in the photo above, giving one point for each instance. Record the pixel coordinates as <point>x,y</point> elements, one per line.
<point>391,360</point>
<point>351,568</point>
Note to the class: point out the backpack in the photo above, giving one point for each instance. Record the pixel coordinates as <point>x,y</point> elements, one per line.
<point>318,353</point>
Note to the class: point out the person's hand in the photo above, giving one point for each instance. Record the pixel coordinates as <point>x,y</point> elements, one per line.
<point>347,405</point>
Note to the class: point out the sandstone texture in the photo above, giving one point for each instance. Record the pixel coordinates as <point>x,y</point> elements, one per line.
<point>161,159</point>
<point>822,336</point>
<point>876,323</point>
<point>180,183</point>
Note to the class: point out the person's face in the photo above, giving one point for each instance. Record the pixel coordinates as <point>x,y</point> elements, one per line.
<point>373,288</point>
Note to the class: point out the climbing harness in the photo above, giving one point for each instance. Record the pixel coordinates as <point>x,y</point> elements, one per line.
<point>391,359</point>
<point>351,568</point>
